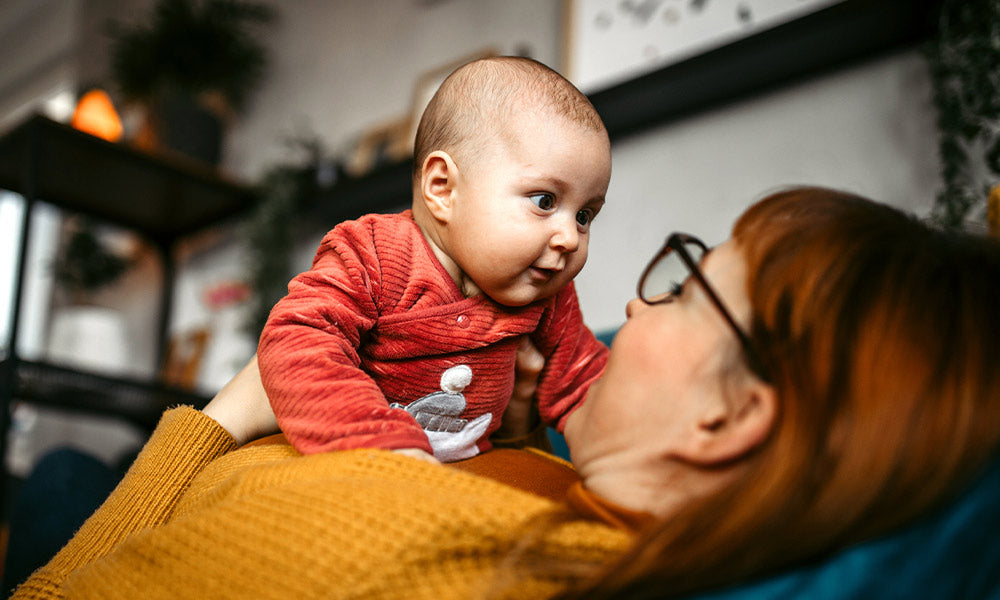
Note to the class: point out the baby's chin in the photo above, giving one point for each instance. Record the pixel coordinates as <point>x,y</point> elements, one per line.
<point>525,293</point>
<point>519,298</point>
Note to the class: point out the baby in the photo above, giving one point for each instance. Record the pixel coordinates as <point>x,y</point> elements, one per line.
<point>403,333</point>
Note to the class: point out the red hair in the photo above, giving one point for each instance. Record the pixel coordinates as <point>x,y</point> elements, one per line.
<point>881,336</point>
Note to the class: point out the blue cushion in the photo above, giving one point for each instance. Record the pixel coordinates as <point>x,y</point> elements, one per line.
<point>952,554</point>
<point>606,336</point>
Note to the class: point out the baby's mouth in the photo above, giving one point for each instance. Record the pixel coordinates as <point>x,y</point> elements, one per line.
<point>542,273</point>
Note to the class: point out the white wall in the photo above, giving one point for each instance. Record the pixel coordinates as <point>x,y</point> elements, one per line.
<point>39,53</point>
<point>341,67</point>
<point>869,129</point>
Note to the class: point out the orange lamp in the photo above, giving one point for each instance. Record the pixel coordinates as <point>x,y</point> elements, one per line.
<point>96,115</point>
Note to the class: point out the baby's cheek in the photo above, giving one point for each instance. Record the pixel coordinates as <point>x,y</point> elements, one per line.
<point>576,261</point>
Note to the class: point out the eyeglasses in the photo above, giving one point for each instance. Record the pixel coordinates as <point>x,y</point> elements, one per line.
<point>665,275</point>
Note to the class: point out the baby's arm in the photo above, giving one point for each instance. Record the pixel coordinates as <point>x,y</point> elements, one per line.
<point>309,360</point>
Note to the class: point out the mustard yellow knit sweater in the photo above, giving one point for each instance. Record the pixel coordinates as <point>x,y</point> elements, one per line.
<point>194,519</point>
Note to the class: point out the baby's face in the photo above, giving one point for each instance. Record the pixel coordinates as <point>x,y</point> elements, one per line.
<point>523,209</point>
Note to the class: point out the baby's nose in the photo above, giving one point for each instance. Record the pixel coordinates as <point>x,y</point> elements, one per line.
<point>566,237</point>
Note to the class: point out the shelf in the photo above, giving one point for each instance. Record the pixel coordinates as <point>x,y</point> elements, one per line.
<point>137,401</point>
<point>161,197</point>
<point>387,188</point>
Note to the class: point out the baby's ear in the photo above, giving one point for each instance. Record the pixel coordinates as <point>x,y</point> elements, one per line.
<point>437,184</point>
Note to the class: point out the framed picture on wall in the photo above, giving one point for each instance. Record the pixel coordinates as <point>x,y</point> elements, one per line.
<point>609,41</point>
<point>645,62</point>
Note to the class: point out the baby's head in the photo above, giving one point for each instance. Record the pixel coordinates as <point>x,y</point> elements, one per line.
<point>512,165</point>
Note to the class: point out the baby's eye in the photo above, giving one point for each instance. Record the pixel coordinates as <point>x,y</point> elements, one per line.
<point>584,217</point>
<point>543,200</point>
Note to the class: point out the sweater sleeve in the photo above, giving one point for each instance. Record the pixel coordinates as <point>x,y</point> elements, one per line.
<point>308,353</point>
<point>184,442</point>
<point>574,358</point>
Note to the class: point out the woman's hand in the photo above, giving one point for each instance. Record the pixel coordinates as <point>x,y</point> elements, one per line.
<point>521,417</point>
<point>242,408</point>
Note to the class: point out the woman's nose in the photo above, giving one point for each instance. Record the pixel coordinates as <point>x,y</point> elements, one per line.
<point>633,307</point>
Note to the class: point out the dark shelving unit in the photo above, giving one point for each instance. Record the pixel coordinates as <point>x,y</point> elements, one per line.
<point>386,188</point>
<point>163,198</point>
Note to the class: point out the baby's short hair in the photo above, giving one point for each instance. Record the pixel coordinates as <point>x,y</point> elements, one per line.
<point>481,96</point>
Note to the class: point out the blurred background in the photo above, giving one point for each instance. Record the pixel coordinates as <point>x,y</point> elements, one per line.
<point>135,269</point>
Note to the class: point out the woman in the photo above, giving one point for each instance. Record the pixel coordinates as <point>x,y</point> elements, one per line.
<point>823,377</point>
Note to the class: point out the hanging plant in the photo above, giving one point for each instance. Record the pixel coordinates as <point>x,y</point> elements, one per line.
<point>964,60</point>
<point>283,193</point>
<point>269,237</point>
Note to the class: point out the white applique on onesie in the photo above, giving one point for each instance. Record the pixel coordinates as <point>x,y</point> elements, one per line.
<point>452,437</point>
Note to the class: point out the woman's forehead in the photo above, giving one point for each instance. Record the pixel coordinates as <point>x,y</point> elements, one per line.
<point>722,256</point>
<point>725,268</point>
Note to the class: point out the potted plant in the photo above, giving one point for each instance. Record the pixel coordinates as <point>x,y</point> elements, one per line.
<point>192,67</point>
<point>82,332</point>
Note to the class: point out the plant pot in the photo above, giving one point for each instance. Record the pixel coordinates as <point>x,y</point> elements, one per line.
<point>181,124</point>
<point>92,338</point>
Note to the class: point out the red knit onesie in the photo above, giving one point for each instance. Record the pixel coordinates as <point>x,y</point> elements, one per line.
<point>378,320</point>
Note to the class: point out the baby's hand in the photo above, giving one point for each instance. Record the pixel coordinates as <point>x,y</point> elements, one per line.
<point>417,453</point>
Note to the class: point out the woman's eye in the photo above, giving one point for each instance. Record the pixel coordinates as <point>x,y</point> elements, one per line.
<point>543,201</point>
<point>676,289</point>
<point>584,217</point>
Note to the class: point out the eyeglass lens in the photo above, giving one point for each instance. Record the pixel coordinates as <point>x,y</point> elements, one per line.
<point>669,273</point>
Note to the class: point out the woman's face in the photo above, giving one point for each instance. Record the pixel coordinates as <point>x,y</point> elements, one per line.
<point>668,365</point>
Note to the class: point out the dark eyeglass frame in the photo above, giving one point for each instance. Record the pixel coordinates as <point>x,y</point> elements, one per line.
<point>675,243</point>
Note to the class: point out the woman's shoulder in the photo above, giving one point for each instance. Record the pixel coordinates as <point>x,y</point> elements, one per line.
<point>224,471</point>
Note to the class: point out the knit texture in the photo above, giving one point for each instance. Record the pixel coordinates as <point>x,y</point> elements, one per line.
<point>377,320</point>
<point>146,497</point>
<point>265,522</point>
